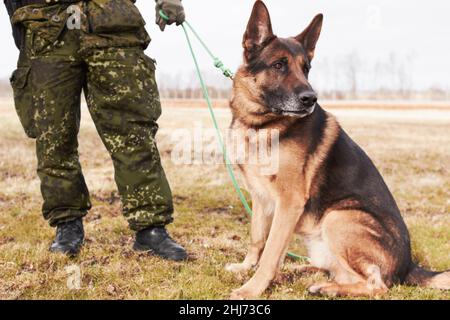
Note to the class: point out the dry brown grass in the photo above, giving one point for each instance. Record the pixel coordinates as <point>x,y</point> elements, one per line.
<point>410,147</point>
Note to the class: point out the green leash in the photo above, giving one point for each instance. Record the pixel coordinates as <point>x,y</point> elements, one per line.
<point>227,73</point>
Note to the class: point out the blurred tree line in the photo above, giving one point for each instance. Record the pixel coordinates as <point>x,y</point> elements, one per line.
<point>347,77</point>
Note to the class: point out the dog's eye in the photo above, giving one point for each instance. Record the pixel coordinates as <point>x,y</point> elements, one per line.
<point>278,65</point>
<point>281,64</point>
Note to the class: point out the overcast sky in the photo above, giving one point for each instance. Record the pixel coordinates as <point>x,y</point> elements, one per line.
<point>417,32</point>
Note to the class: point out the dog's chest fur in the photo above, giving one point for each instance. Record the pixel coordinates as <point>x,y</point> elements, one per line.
<point>265,187</point>
<point>296,168</point>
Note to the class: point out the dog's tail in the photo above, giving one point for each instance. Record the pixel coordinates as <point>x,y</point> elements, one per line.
<point>418,276</point>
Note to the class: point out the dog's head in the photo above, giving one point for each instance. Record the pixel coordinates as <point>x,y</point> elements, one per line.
<point>279,67</point>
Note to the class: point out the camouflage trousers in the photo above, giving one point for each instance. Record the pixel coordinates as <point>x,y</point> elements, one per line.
<point>105,60</point>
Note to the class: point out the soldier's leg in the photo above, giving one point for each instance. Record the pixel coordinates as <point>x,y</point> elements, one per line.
<point>123,99</point>
<point>54,80</point>
<point>56,90</point>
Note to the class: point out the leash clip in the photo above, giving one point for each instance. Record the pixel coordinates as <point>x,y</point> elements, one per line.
<point>219,65</point>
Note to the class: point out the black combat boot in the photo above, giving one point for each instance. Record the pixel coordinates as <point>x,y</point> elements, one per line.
<point>69,237</point>
<point>158,241</point>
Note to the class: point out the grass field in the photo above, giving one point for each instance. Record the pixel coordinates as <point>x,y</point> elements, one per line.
<point>411,147</point>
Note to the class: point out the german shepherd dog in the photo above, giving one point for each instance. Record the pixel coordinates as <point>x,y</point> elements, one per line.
<point>327,189</point>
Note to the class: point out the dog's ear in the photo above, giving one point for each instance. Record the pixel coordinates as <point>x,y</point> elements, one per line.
<point>308,38</point>
<point>259,30</point>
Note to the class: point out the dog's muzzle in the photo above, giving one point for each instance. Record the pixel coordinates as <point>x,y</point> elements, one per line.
<point>301,113</point>
<point>295,105</point>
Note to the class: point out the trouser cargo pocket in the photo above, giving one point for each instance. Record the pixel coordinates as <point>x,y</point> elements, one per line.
<point>23,99</point>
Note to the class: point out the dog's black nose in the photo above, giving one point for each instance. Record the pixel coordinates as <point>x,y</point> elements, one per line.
<point>308,98</point>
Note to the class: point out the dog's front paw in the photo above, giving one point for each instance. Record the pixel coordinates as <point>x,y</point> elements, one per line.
<point>243,294</point>
<point>237,267</point>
